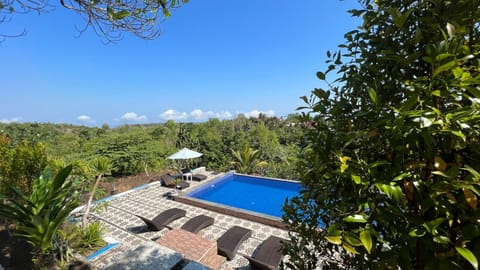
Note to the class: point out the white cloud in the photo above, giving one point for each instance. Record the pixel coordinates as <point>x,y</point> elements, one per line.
<point>131,116</point>
<point>85,119</point>
<point>256,113</point>
<point>173,115</point>
<point>225,115</point>
<point>196,115</point>
<point>11,120</point>
<point>199,115</point>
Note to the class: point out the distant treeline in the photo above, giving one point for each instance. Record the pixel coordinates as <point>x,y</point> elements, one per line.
<point>144,148</point>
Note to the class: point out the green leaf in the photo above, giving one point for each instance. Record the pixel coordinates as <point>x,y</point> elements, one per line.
<point>443,68</point>
<point>468,255</point>
<point>392,191</point>
<point>440,173</point>
<point>400,177</point>
<point>349,248</point>
<point>336,240</point>
<point>110,11</point>
<point>432,225</point>
<point>304,98</point>
<point>373,95</point>
<point>352,239</point>
<point>121,14</point>
<point>356,179</point>
<point>321,75</point>
<point>166,13</point>
<point>475,174</point>
<point>355,218</point>
<point>457,133</point>
<point>398,18</point>
<point>441,239</point>
<point>366,240</point>
<point>436,93</point>
<point>417,232</point>
<point>457,72</point>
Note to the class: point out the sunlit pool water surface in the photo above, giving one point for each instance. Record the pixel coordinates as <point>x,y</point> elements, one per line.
<point>258,194</point>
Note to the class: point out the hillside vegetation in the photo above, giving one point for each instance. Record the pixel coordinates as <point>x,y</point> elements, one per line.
<point>144,148</point>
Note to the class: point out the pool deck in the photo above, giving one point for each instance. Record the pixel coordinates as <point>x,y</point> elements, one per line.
<point>133,247</point>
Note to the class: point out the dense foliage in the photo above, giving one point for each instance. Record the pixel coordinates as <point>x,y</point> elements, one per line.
<point>392,165</point>
<point>20,163</point>
<point>134,149</point>
<point>246,161</point>
<point>39,214</point>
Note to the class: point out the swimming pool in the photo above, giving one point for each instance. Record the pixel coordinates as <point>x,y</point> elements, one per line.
<point>257,194</point>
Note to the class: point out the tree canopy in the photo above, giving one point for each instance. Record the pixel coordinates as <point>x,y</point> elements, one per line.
<point>109,19</point>
<point>390,166</point>
<point>143,148</point>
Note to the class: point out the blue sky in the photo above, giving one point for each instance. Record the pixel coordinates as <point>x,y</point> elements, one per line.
<point>214,58</point>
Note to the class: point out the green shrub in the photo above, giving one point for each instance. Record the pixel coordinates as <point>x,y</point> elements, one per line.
<point>39,215</point>
<point>91,236</point>
<point>391,167</point>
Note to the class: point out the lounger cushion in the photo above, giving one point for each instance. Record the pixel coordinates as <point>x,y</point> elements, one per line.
<point>269,255</point>
<point>168,216</point>
<point>169,181</point>
<point>164,218</point>
<point>231,240</point>
<point>258,265</point>
<point>197,223</point>
<point>182,185</point>
<point>199,177</point>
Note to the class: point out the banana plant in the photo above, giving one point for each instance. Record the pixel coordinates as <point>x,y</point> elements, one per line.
<point>40,214</point>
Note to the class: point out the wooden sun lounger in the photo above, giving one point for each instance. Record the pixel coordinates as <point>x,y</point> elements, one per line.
<point>159,222</point>
<point>199,177</point>
<point>269,255</point>
<point>169,181</point>
<point>197,223</point>
<point>231,240</point>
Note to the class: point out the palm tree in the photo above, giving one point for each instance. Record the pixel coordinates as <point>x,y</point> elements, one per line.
<point>247,160</point>
<point>101,166</point>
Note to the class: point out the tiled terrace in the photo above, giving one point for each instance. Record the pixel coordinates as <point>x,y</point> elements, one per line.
<point>132,235</point>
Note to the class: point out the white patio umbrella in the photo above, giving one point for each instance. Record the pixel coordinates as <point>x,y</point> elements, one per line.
<point>185,153</point>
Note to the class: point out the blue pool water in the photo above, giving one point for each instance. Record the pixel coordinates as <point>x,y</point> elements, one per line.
<point>257,194</point>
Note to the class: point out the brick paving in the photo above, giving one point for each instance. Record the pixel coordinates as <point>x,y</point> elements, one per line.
<point>122,225</point>
<point>192,246</point>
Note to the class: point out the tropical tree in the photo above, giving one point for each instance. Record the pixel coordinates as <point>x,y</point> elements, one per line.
<point>109,19</point>
<point>21,163</point>
<point>246,160</point>
<point>390,167</point>
<point>100,166</point>
<point>38,215</point>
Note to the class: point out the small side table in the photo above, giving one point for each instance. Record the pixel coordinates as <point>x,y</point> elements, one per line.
<point>186,176</point>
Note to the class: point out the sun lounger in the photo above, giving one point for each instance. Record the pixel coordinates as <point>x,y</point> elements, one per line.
<point>231,240</point>
<point>269,255</point>
<point>159,222</point>
<point>197,223</point>
<point>169,181</point>
<point>199,177</point>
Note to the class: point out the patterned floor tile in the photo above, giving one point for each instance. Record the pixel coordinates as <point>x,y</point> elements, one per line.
<point>120,222</point>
